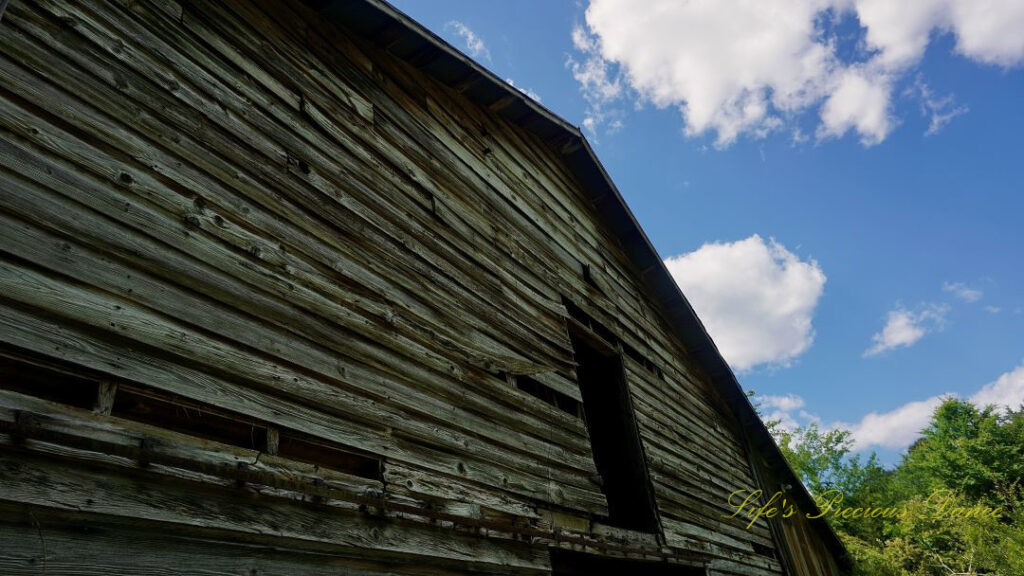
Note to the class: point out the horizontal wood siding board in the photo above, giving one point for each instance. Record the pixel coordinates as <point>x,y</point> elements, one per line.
<point>35,538</point>
<point>48,485</point>
<point>80,437</point>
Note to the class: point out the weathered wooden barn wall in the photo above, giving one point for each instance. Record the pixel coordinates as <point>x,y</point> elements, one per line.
<point>238,216</point>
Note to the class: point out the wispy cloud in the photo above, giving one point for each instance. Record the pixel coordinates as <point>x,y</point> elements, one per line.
<point>962,291</point>
<point>599,85</point>
<point>904,328</point>
<point>474,45</point>
<point>526,91</point>
<point>940,110</point>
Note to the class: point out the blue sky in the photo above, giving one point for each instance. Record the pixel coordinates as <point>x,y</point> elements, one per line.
<point>859,169</point>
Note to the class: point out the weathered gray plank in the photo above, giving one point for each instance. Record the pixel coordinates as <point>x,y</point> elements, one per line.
<point>48,485</point>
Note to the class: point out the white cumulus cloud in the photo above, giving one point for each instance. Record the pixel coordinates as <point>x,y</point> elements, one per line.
<point>859,100</point>
<point>894,429</point>
<point>737,67</point>
<point>786,403</point>
<point>756,298</point>
<point>986,31</point>
<point>900,427</point>
<point>780,408</point>
<point>904,328</point>
<point>474,44</point>
<point>1007,391</point>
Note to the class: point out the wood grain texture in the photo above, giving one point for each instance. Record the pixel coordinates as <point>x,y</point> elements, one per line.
<point>246,206</point>
<point>33,541</point>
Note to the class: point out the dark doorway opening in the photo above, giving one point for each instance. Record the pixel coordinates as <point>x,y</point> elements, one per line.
<point>614,437</point>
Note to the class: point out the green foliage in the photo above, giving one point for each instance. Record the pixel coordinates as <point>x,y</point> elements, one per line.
<point>977,453</point>
<point>967,459</point>
<point>816,455</point>
<point>870,560</point>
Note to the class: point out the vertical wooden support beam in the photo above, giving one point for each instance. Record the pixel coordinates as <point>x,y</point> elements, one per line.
<point>273,440</point>
<point>511,379</point>
<point>105,398</point>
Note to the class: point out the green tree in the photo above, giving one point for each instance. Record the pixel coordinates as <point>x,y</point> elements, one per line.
<point>975,455</point>
<point>976,452</point>
<point>822,460</point>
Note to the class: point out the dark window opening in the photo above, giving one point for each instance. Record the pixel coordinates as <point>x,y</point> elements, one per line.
<point>310,451</point>
<point>588,276</point>
<point>549,395</point>
<point>567,563</point>
<point>180,415</point>
<point>764,550</point>
<point>38,378</point>
<point>614,438</point>
<point>72,385</point>
<point>204,421</point>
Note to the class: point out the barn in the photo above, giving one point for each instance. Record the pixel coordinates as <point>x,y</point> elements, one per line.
<point>298,288</point>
